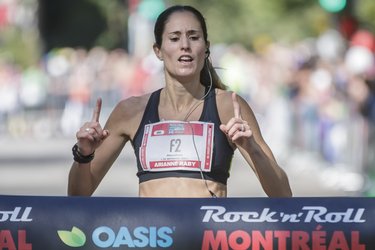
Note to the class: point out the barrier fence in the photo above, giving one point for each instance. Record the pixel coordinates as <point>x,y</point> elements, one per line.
<point>42,222</point>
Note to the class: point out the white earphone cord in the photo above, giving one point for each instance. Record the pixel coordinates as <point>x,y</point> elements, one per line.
<point>209,73</point>
<point>199,162</point>
<point>196,151</point>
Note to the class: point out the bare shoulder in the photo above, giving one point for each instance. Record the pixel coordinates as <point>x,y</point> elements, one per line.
<point>132,105</point>
<point>224,101</point>
<point>126,116</point>
<point>223,95</point>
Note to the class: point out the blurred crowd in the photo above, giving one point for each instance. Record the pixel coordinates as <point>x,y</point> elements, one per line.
<point>317,95</point>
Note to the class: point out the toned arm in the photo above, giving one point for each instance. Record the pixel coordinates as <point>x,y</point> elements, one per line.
<point>235,112</point>
<point>121,125</point>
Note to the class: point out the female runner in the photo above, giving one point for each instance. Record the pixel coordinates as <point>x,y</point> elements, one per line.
<point>184,135</point>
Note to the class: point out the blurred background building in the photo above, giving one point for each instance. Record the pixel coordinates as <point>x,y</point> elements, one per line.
<point>306,67</point>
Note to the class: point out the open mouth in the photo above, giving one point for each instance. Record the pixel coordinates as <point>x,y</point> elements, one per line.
<point>185,59</point>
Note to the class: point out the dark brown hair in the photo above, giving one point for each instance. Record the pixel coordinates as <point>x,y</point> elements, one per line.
<point>158,33</point>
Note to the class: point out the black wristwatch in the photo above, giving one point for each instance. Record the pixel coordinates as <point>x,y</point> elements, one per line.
<point>78,157</point>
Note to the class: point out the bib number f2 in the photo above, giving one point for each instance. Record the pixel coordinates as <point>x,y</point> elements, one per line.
<point>174,145</point>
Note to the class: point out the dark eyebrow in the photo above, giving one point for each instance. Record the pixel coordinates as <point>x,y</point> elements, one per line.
<point>179,32</point>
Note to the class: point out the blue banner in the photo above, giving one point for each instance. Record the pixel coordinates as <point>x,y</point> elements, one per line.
<point>33,222</point>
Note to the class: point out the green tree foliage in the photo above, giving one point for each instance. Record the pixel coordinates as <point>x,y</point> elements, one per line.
<point>116,15</point>
<point>241,21</point>
<point>19,47</point>
<point>91,23</point>
<point>366,14</point>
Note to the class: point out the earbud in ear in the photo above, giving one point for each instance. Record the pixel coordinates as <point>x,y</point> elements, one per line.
<point>207,52</point>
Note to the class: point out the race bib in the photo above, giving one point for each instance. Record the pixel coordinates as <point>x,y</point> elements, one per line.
<point>175,145</point>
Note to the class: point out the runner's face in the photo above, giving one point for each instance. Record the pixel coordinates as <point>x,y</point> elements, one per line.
<point>183,47</point>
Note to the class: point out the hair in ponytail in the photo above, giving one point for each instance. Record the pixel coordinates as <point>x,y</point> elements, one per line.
<point>205,76</point>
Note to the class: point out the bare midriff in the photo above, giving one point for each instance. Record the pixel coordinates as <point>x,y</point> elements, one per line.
<point>180,187</point>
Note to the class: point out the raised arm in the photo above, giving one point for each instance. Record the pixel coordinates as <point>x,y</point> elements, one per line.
<point>243,130</point>
<point>85,177</point>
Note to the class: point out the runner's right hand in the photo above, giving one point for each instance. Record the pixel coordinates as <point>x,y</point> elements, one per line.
<point>91,135</point>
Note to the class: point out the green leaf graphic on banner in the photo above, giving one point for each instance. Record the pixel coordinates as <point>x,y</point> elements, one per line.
<point>75,238</point>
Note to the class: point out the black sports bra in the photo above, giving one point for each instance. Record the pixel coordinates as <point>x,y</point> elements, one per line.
<point>222,151</point>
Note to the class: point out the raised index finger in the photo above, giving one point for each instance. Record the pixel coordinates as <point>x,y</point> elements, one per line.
<point>98,107</point>
<point>236,106</point>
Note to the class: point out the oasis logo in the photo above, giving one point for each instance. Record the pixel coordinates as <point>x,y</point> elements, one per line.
<point>142,237</point>
<point>105,237</point>
<point>13,216</point>
<point>74,238</point>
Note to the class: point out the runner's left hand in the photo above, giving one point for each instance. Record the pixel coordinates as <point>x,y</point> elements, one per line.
<point>237,129</point>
